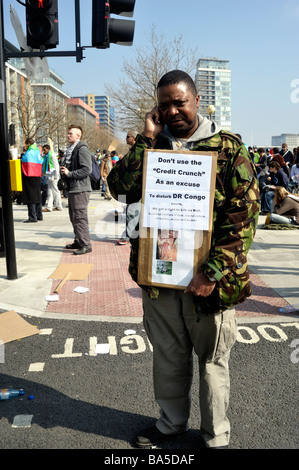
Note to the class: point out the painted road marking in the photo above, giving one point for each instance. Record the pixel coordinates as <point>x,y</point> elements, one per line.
<point>68,350</point>
<point>36,367</point>
<point>137,344</point>
<point>46,331</point>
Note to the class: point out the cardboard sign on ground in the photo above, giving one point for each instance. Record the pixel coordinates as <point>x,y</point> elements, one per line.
<point>13,327</point>
<point>113,145</point>
<point>79,272</point>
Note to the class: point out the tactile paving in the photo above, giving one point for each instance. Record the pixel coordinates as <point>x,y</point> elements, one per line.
<point>113,293</point>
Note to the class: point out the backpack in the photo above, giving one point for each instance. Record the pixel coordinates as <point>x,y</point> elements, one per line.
<point>95,176</point>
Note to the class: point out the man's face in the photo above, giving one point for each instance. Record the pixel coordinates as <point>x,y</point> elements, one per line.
<point>130,140</point>
<point>284,148</point>
<point>178,109</point>
<point>73,135</point>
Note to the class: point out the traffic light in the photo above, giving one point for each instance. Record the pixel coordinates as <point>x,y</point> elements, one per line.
<point>105,29</point>
<point>42,23</point>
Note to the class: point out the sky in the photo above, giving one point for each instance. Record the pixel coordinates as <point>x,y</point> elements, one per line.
<point>258,37</point>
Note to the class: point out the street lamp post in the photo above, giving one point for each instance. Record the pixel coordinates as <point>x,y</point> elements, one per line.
<point>211,110</point>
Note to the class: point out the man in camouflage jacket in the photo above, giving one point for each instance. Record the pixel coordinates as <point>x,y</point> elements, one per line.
<point>169,318</point>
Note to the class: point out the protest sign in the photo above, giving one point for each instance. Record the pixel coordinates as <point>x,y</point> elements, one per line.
<point>176,217</point>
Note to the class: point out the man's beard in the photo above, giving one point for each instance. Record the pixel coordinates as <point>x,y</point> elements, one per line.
<point>184,130</point>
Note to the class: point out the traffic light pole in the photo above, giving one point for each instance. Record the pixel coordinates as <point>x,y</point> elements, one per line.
<point>7,212</point>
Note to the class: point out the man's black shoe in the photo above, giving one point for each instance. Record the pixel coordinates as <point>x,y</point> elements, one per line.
<point>29,221</point>
<point>72,246</point>
<point>150,437</point>
<point>83,250</point>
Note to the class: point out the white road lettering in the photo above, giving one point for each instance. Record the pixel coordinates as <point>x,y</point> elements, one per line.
<point>68,350</point>
<point>139,344</point>
<point>133,340</point>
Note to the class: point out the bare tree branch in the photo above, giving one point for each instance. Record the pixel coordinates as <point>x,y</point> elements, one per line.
<point>136,93</point>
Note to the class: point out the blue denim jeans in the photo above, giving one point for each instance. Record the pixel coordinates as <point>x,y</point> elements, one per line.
<point>267,201</point>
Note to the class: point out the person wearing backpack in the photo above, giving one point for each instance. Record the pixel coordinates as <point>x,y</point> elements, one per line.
<point>77,169</point>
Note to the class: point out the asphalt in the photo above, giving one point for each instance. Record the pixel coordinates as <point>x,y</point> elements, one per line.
<point>112,295</point>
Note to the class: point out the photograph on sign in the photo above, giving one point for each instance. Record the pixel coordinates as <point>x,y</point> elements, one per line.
<point>172,261</point>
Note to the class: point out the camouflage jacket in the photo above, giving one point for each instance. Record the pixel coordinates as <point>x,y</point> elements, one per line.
<point>235,214</point>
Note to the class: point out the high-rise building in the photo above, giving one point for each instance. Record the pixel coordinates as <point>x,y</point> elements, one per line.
<point>213,82</point>
<point>101,104</point>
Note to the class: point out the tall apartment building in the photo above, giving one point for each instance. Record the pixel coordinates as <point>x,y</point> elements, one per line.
<point>213,82</point>
<point>101,104</point>
<point>292,140</point>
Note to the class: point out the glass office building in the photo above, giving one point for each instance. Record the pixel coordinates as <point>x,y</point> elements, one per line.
<point>213,82</point>
<point>101,104</point>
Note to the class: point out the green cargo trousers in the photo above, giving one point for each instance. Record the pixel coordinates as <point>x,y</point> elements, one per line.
<point>174,333</point>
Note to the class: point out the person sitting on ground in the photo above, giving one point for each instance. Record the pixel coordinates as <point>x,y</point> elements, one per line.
<point>274,177</point>
<point>279,158</point>
<point>261,166</point>
<point>286,208</point>
<point>294,179</point>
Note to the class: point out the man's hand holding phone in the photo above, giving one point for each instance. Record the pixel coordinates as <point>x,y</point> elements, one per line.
<point>152,125</point>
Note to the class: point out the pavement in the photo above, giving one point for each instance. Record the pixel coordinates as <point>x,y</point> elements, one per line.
<point>112,296</point>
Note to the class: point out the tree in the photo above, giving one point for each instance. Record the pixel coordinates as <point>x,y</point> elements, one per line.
<point>31,119</point>
<point>136,93</point>
<point>40,115</point>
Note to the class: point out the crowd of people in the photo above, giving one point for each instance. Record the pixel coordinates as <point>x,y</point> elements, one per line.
<point>278,175</point>
<point>44,184</point>
<point>47,178</point>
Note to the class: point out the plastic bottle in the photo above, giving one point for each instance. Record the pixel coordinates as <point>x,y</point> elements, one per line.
<point>289,309</point>
<point>8,393</point>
